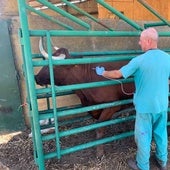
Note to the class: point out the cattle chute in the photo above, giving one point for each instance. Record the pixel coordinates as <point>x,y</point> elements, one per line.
<point>33,60</point>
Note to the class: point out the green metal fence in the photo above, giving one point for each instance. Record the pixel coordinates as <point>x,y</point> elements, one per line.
<point>32,61</point>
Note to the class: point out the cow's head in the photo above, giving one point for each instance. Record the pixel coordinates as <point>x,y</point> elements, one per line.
<point>61,75</point>
<point>43,76</point>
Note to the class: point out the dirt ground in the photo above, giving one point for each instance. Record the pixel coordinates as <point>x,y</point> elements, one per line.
<point>16,153</point>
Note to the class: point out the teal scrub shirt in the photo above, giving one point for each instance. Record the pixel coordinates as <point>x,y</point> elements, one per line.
<point>151,72</point>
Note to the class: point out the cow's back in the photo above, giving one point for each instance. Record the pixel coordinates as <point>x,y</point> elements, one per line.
<point>106,93</point>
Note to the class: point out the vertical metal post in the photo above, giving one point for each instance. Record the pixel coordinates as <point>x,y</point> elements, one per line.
<point>53,96</point>
<point>31,82</point>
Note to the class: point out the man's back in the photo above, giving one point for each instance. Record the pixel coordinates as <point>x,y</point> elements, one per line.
<point>151,79</point>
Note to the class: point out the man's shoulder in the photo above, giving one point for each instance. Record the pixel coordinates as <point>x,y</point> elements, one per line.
<point>163,52</point>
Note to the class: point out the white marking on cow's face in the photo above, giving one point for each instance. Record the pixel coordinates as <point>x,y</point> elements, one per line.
<point>56,48</point>
<point>45,54</point>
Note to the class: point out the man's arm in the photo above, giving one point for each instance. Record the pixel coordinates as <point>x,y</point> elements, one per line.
<point>112,74</point>
<point>108,74</point>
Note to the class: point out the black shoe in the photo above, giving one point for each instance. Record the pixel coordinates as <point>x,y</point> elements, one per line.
<point>159,164</point>
<point>163,168</point>
<point>132,164</point>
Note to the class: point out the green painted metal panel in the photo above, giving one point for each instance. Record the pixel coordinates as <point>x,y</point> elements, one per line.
<point>11,118</point>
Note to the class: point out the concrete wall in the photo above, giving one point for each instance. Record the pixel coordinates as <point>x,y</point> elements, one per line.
<point>9,11</point>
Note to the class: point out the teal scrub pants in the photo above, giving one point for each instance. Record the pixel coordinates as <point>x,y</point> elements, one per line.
<point>148,126</point>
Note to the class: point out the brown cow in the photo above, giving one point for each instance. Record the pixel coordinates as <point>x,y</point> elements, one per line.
<point>84,73</point>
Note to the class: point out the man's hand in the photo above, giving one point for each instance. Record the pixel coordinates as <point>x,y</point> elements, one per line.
<point>100,70</point>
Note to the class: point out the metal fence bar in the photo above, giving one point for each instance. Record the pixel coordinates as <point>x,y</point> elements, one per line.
<point>65,14</point>
<point>95,126</point>
<point>83,86</point>
<point>88,33</point>
<point>120,15</point>
<point>49,18</point>
<point>67,33</point>
<point>96,142</point>
<point>104,53</point>
<point>86,14</point>
<point>147,6</point>
<point>87,108</point>
<point>155,24</point>
<point>84,60</point>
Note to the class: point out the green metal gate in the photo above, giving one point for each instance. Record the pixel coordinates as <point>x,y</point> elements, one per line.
<point>32,61</point>
<point>11,118</point>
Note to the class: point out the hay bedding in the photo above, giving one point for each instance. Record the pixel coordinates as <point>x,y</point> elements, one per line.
<point>17,154</point>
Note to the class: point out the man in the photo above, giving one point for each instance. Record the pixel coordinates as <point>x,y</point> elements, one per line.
<point>151,71</point>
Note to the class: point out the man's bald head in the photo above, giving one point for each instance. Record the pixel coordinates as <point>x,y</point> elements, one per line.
<point>150,33</point>
<point>148,39</point>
